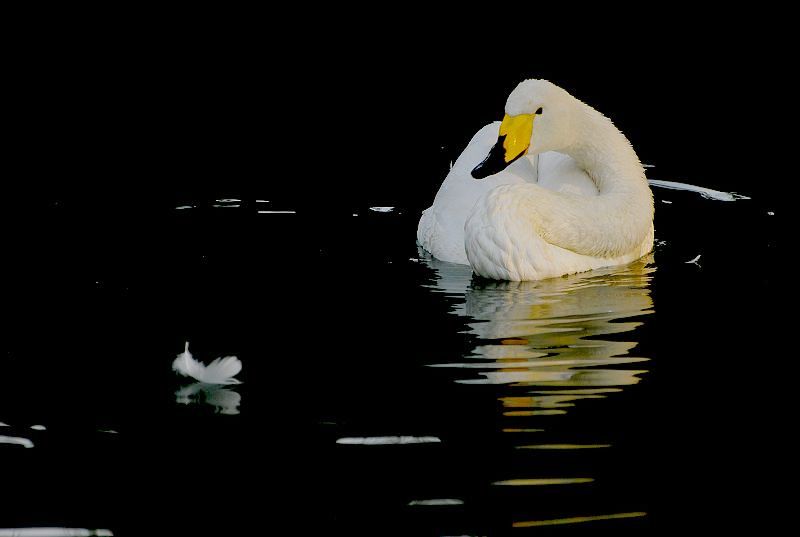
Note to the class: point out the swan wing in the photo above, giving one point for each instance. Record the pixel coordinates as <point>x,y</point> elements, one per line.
<point>441,227</point>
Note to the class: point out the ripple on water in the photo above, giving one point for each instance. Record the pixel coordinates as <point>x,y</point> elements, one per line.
<point>565,446</point>
<point>576,519</point>
<point>547,348</point>
<point>387,440</point>
<point>54,532</point>
<point>16,440</point>
<point>227,203</point>
<point>436,502</point>
<point>540,482</point>
<point>549,334</point>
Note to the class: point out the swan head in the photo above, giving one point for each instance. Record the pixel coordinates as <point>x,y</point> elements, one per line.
<point>539,118</point>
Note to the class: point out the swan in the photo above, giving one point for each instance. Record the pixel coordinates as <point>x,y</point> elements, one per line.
<point>553,189</point>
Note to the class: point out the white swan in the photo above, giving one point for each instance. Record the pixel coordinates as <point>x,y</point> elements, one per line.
<point>561,191</point>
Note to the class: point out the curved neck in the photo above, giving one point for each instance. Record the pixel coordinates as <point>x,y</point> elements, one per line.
<point>606,154</point>
<point>616,221</point>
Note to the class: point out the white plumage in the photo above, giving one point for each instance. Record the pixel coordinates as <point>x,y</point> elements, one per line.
<point>441,228</point>
<point>707,193</point>
<point>579,199</point>
<point>220,371</point>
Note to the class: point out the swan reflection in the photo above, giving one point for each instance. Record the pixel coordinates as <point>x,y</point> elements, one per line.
<point>544,339</point>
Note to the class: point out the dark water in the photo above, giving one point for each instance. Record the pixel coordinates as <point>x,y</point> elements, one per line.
<point>383,392</point>
<point>161,195</point>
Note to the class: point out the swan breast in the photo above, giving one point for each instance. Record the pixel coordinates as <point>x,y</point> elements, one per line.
<point>505,239</point>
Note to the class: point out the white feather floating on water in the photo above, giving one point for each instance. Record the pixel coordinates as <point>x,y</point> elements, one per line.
<point>220,371</point>
<point>18,440</point>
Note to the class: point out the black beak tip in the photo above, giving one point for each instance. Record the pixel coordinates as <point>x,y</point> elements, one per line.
<point>480,171</point>
<point>493,163</point>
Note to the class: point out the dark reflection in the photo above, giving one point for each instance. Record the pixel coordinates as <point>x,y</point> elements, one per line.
<point>544,341</point>
<point>222,398</point>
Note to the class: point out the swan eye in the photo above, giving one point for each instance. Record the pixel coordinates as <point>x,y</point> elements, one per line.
<point>539,111</point>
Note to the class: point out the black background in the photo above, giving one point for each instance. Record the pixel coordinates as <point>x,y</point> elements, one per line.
<point>185,107</point>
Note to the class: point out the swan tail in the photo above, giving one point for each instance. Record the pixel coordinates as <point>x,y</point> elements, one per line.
<point>425,229</point>
<point>435,239</point>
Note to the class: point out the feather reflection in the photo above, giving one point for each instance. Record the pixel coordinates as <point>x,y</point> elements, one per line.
<point>224,400</point>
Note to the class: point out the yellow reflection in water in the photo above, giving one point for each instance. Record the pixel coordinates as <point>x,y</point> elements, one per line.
<point>549,333</point>
<point>544,347</point>
<point>534,412</point>
<point>564,446</point>
<point>575,520</point>
<point>544,481</point>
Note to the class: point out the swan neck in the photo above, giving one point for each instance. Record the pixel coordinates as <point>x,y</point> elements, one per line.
<point>605,153</point>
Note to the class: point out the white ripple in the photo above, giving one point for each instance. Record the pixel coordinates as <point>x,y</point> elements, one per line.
<point>54,532</point>
<point>705,192</point>
<point>18,440</point>
<point>437,501</point>
<point>387,440</point>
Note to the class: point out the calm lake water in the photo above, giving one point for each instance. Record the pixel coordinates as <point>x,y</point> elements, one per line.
<point>383,392</point>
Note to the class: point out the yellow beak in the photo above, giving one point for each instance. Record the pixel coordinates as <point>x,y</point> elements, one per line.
<point>514,141</point>
<point>517,130</point>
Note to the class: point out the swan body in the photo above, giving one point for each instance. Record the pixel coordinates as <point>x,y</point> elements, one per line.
<point>575,200</point>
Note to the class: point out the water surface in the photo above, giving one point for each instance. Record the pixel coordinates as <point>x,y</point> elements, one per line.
<point>383,392</point>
